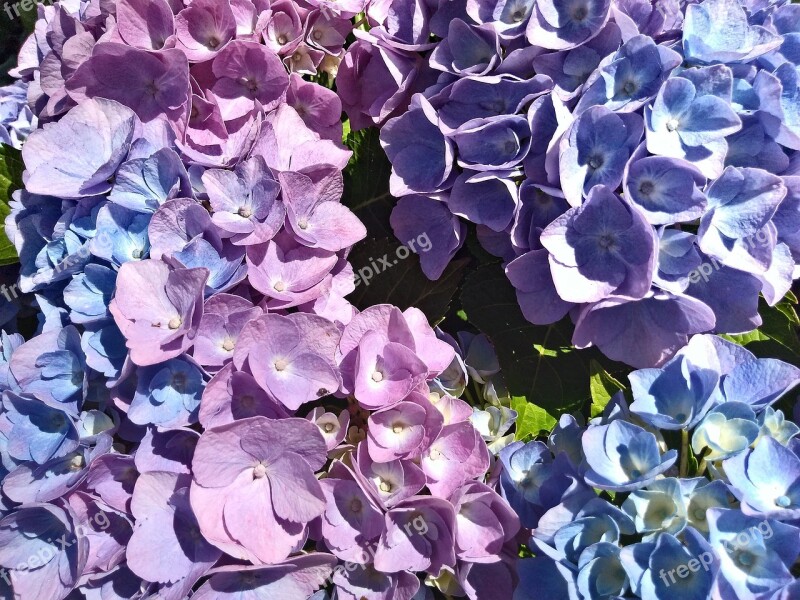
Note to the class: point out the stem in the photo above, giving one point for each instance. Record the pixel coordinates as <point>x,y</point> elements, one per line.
<point>684,452</point>
<point>477,394</point>
<point>470,399</point>
<point>701,465</point>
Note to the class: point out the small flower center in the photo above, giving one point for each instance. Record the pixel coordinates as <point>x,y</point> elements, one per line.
<point>398,428</point>
<point>629,88</point>
<point>595,162</point>
<point>646,188</point>
<point>745,558</point>
<point>227,345</point>
<point>136,253</point>
<point>317,35</point>
<point>260,471</point>
<point>281,364</point>
<point>606,241</point>
<point>250,83</point>
<point>580,13</point>
<point>699,514</point>
<point>282,40</point>
<point>377,376</point>
<point>672,125</point>
<point>279,286</point>
<point>356,506</point>
<point>179,382</point>
<point>385,486</point>
<point>328,427</point>
<point>245,212</point>
<point>213,42</point>
<point>303,223</point>
<point>783,501</point>
<point>77,463</point>
<point>175,322</point>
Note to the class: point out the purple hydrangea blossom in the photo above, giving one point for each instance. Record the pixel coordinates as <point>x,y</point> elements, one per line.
<point>36,531</point>
<point>656,101</point>
<point>257,475</point>
<point>600,248</point>
<point>158,309</point>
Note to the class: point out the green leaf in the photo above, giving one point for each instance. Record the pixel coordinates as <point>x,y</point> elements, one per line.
<point>746,338</point>
<point>366,182</point>
<point>11,168</point>
<point>476,249</point>
<point>538,362</point>
<point>780,324</point>
<point>602,386</point>
<point>386,272</point>
<point>692,463</point>
<point>29,18</point>
<point>778,335</point>
<point>12,35</point>
<point>532,421</point>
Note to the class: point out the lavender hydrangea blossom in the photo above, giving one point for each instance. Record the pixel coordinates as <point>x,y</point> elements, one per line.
<point>186,234</point>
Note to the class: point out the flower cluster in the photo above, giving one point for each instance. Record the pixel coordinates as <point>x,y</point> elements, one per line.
<point>16,117</point>
<point>116,490</point>
<point>713,516</point>
<point>202,173</point>
<point>199,65</point>
<point>633,162</point>
<point>202,412</point>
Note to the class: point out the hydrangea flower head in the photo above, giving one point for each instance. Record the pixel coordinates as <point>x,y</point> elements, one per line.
<point>102,129</point>
<point>242,476</point>
<point>622,456</point>
<point>158,309</point>
<point>600,248</point>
